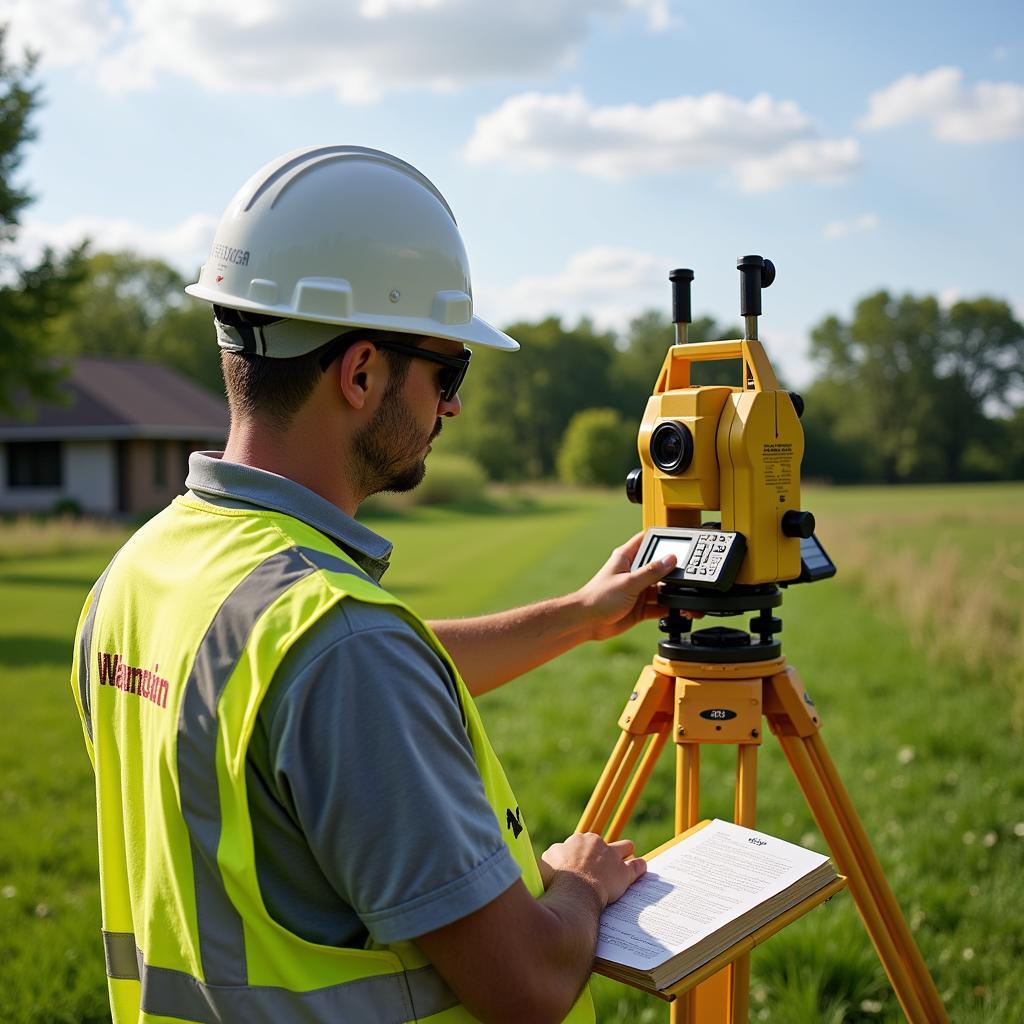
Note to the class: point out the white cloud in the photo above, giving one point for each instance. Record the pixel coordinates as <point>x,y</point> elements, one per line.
<point>592,283</point>
<point>983,112</point>
<point>184,245</point>
<point>66,31</point>
<point>769,142</point>
<point>840,228</point>
<point>357,49</point>
<point>823,161</point>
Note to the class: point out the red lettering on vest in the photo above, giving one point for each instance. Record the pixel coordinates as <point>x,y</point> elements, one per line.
<point>108,668</point>
<point>140,682</point>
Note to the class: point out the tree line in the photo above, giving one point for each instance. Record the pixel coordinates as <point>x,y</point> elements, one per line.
<point>905,389</point>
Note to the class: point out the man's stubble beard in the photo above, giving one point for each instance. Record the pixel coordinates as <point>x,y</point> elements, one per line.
<point>390,447</point>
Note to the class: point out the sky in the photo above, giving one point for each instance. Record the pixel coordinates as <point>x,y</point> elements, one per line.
<point>586,148</point>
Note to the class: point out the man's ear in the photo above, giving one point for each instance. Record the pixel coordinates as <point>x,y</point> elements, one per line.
<point>361,370</point>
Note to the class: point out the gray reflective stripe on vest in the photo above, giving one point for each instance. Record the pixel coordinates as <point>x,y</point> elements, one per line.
<point>85,651</point>
<point>226,994</point>
<point>394,998</point>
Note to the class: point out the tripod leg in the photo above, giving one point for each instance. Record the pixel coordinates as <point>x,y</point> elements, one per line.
<point>684,1009</point>
<point>612,783</point>
<point>744,814</point>
<point>865,879</point>
<point>687,786</point>
<point>636,786</point>
<point>840,800</point>
<point>604,783</point>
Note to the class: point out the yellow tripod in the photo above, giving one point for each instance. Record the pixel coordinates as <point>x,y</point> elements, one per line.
<point>697,703</point>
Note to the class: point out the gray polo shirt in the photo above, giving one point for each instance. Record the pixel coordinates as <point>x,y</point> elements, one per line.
<point>369,816</point>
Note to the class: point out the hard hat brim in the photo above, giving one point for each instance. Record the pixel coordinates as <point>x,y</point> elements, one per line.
<point>474,332</point>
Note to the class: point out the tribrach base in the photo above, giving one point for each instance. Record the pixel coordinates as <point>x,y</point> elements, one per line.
<point>724,703</point>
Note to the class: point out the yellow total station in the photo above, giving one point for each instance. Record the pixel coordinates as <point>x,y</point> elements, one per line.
<point>735,449</point>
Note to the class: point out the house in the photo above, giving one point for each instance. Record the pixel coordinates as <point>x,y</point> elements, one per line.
<point>119,446</point>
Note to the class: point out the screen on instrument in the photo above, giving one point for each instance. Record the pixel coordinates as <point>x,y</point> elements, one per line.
<point>681,547</point>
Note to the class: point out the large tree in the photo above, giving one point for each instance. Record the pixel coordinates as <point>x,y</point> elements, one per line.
<point>914,386</point>
<point>32,297</point>
<point>980,374</point>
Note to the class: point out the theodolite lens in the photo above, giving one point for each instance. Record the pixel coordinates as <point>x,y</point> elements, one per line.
<point>672,446</point>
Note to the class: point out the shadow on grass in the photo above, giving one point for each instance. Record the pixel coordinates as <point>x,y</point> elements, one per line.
<point>14,579</point>
<point>32,651</point>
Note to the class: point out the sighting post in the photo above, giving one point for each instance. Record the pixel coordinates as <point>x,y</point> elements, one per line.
<point>755,273</point>
<point>681,279</point>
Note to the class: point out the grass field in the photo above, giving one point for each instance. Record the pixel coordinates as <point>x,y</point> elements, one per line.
<point>913,655</point>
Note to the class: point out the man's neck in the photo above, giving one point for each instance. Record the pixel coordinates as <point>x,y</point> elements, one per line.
<point>307,460</point>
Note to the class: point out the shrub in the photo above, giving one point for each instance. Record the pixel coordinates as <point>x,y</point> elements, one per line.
<point>450,480</point>
<point>599,447</point>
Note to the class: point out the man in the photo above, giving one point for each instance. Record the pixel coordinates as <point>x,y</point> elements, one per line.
<point>300,816</point>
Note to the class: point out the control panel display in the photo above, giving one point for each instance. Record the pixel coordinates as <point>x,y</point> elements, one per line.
<point>704,558</point>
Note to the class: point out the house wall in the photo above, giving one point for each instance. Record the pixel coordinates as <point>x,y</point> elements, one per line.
<point>88,478</point>
<point>144,488</point>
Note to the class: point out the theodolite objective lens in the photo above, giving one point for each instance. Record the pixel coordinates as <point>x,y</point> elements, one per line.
<point>672,446</point>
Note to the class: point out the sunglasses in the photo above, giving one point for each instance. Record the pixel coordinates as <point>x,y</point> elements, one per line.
<point>455,367</point>
<point>450,378</point>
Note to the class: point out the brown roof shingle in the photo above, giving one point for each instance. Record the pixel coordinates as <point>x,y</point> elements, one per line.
<point>124,398</point>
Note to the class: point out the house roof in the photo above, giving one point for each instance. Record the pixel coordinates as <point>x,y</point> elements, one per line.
<point>119,399</point>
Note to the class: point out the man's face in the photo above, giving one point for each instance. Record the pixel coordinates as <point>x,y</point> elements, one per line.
<point>393,446</point>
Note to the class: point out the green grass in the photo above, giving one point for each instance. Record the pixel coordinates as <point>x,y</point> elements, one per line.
<point>926,743</point>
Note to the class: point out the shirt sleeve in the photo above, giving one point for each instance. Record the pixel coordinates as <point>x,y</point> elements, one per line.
<point>370,757</point>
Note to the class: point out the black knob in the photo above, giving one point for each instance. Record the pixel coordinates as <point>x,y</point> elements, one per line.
<point>635,486</point>
<point>798,524</point>
<point>798,404</point>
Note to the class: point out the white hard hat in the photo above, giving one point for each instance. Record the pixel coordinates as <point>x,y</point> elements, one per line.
<point>341,236</point>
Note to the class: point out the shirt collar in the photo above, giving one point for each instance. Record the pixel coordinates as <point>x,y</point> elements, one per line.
<point>234,484</point>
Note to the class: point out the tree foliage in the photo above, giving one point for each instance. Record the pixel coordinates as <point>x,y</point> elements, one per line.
<point>516,407</point>
<point>914,387</point>
<point>646,344</point>
<point>135,306</point>
<point>31,297</point>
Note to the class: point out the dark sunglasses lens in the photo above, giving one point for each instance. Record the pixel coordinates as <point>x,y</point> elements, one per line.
<point>451,380</point>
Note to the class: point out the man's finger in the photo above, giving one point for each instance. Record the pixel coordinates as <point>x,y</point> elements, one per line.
<point>654,571</point>
<point>639,866</point>
<point>623,847</point>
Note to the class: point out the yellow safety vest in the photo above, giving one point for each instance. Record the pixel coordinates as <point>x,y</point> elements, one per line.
<point>176,647</point>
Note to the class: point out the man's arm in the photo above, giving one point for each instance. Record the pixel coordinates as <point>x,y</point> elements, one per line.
<point>522,959</point>
<point>492,649</point>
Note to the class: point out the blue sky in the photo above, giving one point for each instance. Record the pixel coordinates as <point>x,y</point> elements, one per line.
<point>586,148</point>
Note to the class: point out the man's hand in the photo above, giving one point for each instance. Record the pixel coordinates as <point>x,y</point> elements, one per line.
<point>603,866</point>
<point>617,599</point>
<point>492,649</point>
<point>524,959</point>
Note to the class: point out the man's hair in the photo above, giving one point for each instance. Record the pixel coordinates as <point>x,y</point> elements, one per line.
<point>274,390</point>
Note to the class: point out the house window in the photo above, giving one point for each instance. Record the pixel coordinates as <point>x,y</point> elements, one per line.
<point>159,463</point>
<point>34,464</point>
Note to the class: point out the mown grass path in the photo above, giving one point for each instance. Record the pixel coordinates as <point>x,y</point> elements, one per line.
<point>927,746</point>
